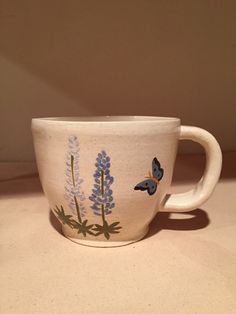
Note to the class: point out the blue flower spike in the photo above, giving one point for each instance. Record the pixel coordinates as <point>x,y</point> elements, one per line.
<point>102,195</point>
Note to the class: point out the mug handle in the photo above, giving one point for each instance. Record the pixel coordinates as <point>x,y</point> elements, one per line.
<point>183,202</point>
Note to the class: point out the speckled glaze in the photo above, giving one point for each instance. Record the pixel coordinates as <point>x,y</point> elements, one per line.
<point>106,177</point>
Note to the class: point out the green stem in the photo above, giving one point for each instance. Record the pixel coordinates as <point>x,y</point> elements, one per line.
<point>77,209</point>
<point>72,168</point>
<point>102,190</point>
<point>73,179</point>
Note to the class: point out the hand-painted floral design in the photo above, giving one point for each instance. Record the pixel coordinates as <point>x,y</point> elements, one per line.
<point>102,196</point>
<point>73,191</point>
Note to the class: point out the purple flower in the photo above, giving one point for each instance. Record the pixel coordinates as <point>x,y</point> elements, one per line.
<point>101,196</point>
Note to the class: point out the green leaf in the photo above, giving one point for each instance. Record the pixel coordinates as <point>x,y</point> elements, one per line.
<point>106,234</point>
<point>116,228</point>
<point>83,228</point>
<point>106,229</point>
<point>114,231</point>
<point>65,219</point>
<point>114,224</point>
<point>98,227</point>
<point>84,222</point>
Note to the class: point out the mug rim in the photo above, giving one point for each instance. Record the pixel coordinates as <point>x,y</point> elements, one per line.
<point>108,119</point>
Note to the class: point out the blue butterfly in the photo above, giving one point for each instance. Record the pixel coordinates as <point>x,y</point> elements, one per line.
<point>151,183</point>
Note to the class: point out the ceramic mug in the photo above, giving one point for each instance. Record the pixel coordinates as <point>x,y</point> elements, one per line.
<point>105,178</point>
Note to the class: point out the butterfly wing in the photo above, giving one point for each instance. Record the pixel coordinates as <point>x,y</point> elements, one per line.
<point>157,171</point>
<point>149,185</point>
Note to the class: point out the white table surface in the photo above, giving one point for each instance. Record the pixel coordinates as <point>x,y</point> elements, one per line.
<point>186,264</point>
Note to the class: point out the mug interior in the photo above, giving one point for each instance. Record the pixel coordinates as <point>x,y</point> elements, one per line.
<point>111,119</point>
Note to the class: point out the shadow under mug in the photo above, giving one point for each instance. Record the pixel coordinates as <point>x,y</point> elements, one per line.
<point>105,178</point>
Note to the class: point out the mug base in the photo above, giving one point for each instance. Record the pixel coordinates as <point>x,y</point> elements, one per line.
<point>104,244</point>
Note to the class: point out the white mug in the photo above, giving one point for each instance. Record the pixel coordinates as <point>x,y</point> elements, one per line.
<point>105,178</point>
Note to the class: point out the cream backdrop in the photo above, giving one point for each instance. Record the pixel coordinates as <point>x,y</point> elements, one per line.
<point>172,58</point>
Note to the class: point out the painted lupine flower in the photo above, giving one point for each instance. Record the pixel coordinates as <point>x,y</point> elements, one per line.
<point>73,193</point>
<point>102,195</point>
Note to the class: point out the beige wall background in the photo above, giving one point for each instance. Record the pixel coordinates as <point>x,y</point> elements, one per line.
<point>172,58</point>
